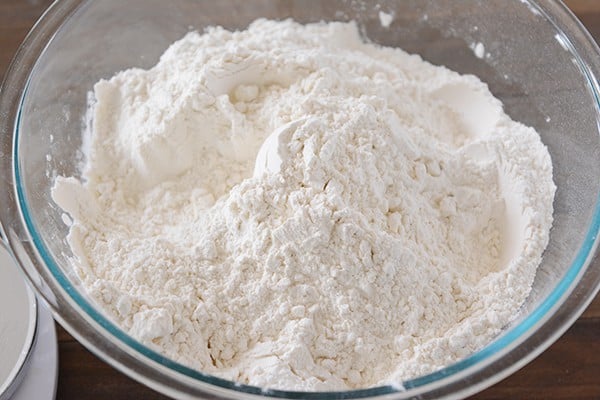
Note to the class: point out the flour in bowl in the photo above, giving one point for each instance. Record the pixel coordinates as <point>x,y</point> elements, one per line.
<point>290,207</point>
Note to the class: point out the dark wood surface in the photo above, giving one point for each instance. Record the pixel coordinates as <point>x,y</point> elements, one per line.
<point>569,369</point>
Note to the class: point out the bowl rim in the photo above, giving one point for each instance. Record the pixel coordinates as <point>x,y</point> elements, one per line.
<point>91,328</point>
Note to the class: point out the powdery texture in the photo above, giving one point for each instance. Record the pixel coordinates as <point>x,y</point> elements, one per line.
<point>392,225</point>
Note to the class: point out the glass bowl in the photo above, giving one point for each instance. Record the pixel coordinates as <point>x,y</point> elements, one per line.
<point>534,55</point>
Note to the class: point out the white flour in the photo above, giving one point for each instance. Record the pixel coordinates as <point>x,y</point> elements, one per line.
<point>391,225</point>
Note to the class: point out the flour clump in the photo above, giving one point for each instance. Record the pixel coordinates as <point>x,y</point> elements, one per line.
<point>290,207</point>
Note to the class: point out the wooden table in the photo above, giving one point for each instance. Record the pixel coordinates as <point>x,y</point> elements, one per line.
<point>570,369</point>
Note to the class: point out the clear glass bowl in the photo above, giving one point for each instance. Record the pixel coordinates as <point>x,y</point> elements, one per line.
<point>538,60</point>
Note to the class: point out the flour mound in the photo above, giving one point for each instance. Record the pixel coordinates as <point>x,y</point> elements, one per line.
<point>290,207</point>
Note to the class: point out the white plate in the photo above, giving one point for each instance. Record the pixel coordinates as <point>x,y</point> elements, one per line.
<point>39,382</point>
<point>18,321</point>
